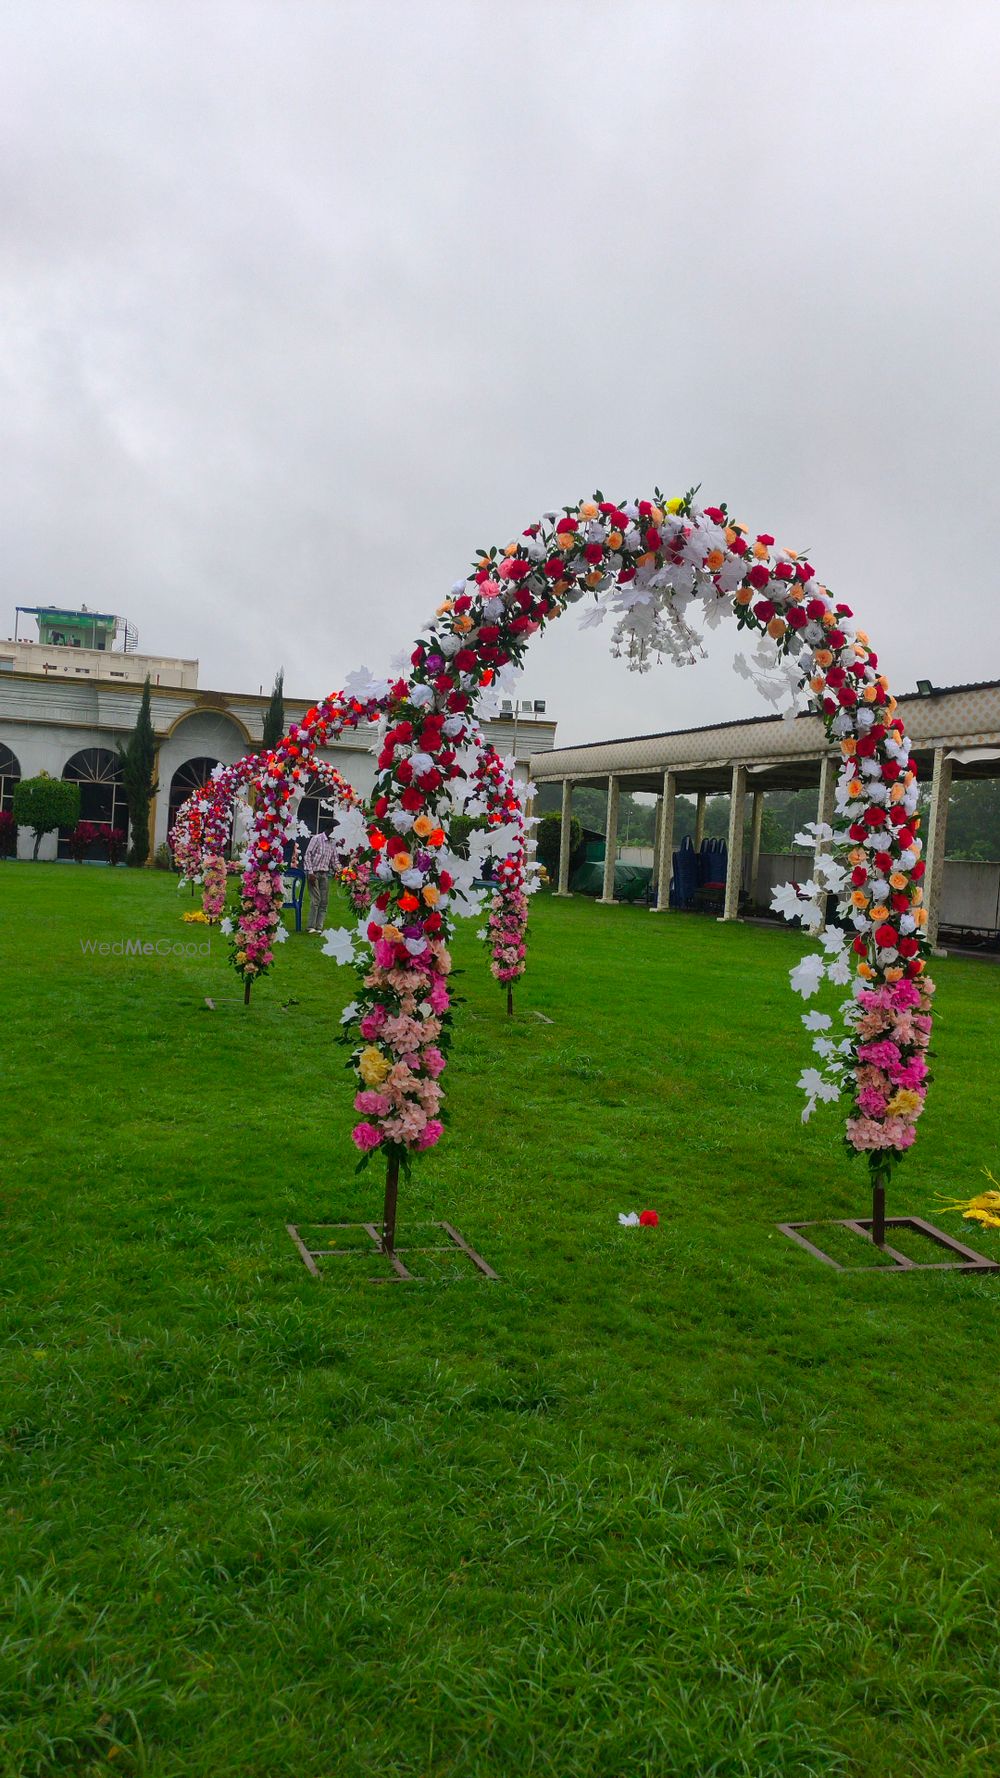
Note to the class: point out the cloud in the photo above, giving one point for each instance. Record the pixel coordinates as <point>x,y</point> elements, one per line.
<point>302,304</point>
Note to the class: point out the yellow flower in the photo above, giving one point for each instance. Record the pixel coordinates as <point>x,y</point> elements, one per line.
<point>401,861</point>
<point>675,504</point>
<point>422,826</point>
<point>373,1066</point>
<point>897,880</point>
<point>904,1103</point>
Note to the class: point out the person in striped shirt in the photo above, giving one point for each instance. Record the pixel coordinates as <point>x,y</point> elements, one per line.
<point>321,858</point>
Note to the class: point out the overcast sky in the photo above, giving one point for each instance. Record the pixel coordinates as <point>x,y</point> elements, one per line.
<point>303,302</point>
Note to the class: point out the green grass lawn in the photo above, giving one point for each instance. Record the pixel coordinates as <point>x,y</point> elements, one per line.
<point>672,1501</point>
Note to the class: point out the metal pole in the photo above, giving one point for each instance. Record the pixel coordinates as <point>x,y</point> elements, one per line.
<point>389,1207</point>
<point>246,991</point>
<point>878,1209</point>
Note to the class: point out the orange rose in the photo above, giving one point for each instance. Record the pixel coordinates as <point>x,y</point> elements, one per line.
<point>614,540</point>
<point>431,894</point>
<point>422,826</point>
<point>715,559</point>
<point>777,628</point>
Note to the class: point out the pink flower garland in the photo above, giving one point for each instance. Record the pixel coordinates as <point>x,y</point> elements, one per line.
<point>635,555</point>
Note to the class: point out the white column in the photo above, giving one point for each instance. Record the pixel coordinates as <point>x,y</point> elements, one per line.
<point>937,828</point>
<point>734,866</point>
<point>607,894</point>
<point>699,820</point>
<point>665,860</point>
<point>756,822</point>
<point>564,837</point>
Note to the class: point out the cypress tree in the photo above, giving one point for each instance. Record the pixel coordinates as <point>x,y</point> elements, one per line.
<point>137,759</point>
<point>274,721</point>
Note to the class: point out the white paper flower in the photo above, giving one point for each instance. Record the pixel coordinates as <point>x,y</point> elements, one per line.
<point>226,927</point>
<point>631,1221</point>
<point>338,943</point>
<point>806,976</point>
<point>817,1021</point>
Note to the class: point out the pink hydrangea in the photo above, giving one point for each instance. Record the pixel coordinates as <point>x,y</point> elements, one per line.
<point>366,1137</point>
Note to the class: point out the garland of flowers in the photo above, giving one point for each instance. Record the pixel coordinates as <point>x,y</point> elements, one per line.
<point>653,564</point>
<point>507,920</point>
<point>214,883</point>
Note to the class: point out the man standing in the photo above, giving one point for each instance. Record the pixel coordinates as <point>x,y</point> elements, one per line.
<point>321,858</point>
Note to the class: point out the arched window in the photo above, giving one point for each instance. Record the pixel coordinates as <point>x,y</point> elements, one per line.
<point>102,795</point>
<point>188,777</point>
<point>10,774</point>
<point>316,818</point>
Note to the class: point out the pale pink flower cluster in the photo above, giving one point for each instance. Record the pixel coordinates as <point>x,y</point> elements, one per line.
<point>893,1023</point>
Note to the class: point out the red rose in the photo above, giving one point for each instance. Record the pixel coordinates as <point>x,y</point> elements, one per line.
<point>804,571</point>
<point>433,923</point>
<point>652,539</point>
<point>593,553</point>
<point>404,771</point>
<point>739,546</point>
<point>883,860</point>
<point>908,947</point>
<point>797,618</point>
<point>836,676</point>
<point>835,639</point>
<point>465,660</point>
<point>914,966</point>
<point>649,1219</point>
<point>764,610</point>
<point>886,936</point>
<point>373,930</point>
<point>900,902</point>
<point>554,567</point>
<point>857,832</point>
<point>816,607</point>
<point>859,875</point>
<point>381,806</point>
<point>445,880</point>
<point>715,513</point>
<point>784,571</point>
<point>645,508</point>
<point>918,870</point>
<point>517,570</point>
<point>874,817</point>
<point>463,603</point>
<point>847,696</point>
<point>412,799</point>
<point>890,770</point>
<point>865,748</point>
<point>860,945</point>
<point>759,576</point>
<point>565,526</point>
<point>845,611</point>
<point>765,539</point>
<point>898,815</point>
<point>431,780</point>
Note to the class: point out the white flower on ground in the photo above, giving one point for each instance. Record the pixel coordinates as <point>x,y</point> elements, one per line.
<point>631,1221</point>
<point>338,943</point>
<point>226,926</point>
<point>350,1012</point>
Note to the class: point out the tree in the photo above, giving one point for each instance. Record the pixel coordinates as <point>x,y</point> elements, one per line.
<point>274,720</point>
<point>44,803</point>
<point>138,759</point>
<point>549,838</point>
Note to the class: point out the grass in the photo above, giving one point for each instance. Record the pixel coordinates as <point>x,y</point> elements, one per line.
<point>661,1502</point>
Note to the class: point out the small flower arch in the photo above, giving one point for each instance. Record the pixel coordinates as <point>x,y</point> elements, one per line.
<point>656,565</point>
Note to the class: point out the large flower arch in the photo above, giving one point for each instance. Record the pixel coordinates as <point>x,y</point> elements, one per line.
<point>655,564</point>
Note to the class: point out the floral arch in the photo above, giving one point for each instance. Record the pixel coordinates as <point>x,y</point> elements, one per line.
<point>658,566</point>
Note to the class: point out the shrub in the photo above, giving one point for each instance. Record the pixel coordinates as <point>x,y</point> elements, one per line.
<point>549,835</point>
<point>44,803</point>
<point>82,838</point>
<point>164,859</point>
<point>8,834</point>
<point>116,840</point>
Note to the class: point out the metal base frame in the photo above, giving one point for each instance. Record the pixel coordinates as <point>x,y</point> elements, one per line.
<point>400,1273</point>
<point>965,1260</point>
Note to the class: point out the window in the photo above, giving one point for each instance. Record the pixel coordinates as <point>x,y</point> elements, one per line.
<point>188,777</point>
<point>102,797</point>
<point>10,775</point>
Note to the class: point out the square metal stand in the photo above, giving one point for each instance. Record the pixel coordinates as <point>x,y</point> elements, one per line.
<point>964,1259</point>
<point>400,1272</point>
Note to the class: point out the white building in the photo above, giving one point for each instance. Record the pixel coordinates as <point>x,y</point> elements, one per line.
<point>66,703</point>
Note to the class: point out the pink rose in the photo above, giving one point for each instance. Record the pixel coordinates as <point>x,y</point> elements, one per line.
<point>366,1137</point>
